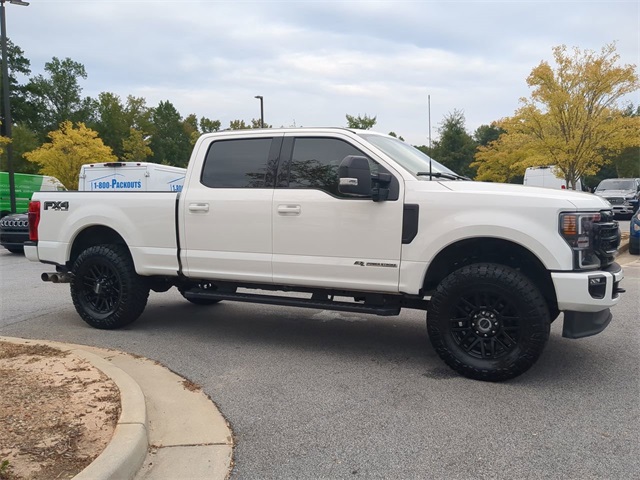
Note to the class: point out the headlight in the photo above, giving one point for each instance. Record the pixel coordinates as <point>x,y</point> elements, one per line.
<point>577,231</point>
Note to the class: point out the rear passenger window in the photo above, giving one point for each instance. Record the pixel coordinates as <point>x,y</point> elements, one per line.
<point>241,163</point>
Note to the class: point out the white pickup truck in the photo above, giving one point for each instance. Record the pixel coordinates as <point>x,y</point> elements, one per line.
<point>349,220</point>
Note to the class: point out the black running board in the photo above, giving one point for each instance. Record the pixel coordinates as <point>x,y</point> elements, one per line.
<point>384,310</point>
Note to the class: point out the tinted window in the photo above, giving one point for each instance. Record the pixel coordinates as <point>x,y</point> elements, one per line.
<point>315,162</point>
<point>241,163</point>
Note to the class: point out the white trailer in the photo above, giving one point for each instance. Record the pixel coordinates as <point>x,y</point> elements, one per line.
<point>130,177</point>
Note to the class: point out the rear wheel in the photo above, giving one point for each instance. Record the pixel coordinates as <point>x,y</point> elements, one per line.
<point>106,291</point>
<point>488,322</point>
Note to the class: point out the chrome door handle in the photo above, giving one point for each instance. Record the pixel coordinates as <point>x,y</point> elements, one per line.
<point>198,207</point>
<point>289,209</point>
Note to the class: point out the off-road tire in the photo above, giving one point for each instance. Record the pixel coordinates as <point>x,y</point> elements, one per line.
<point>106,290</point>
<point>488,322</point>
<point>199,301</point>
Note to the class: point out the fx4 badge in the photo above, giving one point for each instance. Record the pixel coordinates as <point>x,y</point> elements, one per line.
<point>61,206</point>
<point>374,264</point>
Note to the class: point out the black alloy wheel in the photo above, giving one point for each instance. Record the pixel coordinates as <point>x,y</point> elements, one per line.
<point>488,321</point>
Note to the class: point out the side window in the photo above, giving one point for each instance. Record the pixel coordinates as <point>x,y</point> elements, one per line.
<point>239,163</point>
<point>315,162</point>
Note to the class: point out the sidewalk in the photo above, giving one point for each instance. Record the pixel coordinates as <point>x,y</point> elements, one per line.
<point>167,425</point>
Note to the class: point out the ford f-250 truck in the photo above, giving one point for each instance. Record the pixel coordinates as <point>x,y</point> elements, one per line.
<point>358,222</point>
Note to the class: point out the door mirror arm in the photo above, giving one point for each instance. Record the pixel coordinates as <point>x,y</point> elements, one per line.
<point>380,186</point>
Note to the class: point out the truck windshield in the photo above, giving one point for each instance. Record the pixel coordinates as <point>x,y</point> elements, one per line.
<point>409,157</point>
<point>614,184</point>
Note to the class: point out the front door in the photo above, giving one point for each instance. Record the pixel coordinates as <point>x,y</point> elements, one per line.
<point>323,238</point>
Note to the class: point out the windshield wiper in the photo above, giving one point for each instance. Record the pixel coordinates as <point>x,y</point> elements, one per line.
<point>450,176</point>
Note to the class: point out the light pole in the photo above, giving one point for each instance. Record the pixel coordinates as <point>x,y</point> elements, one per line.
<point>6,102</point>
<point>259,97</point>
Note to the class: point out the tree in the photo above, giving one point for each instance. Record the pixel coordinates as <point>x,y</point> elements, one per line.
<point>485,134</point>
<point>627,162</point>
<point>69,149</point>
<point>170,142</point>
<point>257,123</point>
<point>395,135</point>
<point>136,146</point>
<point>17,64</point>
<point>111,122</point>
<point>455,148</point>
<point>572,119</point>
<point>3,141</point>
<point>57,97</point>
<point>207,125</point>
<point>364,122</point>
<point>238,125</point>
<point>138,115</point>
<point>23,140</point>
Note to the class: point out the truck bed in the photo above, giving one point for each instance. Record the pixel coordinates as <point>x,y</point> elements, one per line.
<point>145,220</point>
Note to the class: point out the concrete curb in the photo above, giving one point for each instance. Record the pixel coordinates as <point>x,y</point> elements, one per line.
<point>125,453</point>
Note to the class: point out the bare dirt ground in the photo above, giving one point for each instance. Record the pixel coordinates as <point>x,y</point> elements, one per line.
<point>57,412</point>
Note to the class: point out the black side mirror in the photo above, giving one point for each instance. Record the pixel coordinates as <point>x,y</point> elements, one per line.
<point>354,176</point>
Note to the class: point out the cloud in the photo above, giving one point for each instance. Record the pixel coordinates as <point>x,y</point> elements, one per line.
<point>316,61</point>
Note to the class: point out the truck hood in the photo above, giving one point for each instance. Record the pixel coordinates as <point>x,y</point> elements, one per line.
<point>531,195</point>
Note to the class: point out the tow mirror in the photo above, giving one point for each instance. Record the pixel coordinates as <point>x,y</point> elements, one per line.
<point>354,176</point>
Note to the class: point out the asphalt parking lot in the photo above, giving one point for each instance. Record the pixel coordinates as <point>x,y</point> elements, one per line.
<point>317,394</point>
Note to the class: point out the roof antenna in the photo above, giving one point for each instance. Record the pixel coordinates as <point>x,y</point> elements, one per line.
<point>429,110</point>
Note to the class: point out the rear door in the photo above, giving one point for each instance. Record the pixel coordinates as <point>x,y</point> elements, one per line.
<point>227,211</point>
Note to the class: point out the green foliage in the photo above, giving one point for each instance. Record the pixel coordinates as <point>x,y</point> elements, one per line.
<point>454,148</point>
<point>17,64</point>
<point>56,97</point>
<point>5,470</point>
<point>170,142</point>
<point>207,125</point>
<point>485,134</point>
<point>110,121</point>
<point>238,125</point>
<point>395,135</point>
<point>136,146</point>
<point>69,149</point>
<point>364,122</point>
<point>23,140</point>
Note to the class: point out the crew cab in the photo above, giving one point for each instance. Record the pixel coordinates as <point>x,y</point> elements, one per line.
<point>354,221</point>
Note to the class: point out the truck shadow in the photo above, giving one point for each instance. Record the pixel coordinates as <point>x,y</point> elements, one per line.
<point>233,324</point>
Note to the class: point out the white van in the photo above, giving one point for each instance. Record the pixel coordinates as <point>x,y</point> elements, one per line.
<point>544,177</point>
<point>130,177</point>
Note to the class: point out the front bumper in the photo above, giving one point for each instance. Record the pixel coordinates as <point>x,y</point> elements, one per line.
<point>13,237</point>
<point>586,297</point>
<point>624,209</point>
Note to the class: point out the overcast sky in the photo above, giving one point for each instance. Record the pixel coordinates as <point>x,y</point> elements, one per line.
<point>313,61</point>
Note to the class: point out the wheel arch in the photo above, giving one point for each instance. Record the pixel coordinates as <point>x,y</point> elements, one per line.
<point>94,235</point>
<point>494,250</point>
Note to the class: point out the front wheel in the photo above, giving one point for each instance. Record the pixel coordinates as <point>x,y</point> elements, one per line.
<point>488,322</point>
<point>106,290</point>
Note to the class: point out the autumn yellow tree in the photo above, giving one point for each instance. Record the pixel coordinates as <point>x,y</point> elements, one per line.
<point>69,148</point>
<point>573,119</point>
<point>3,142</point>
